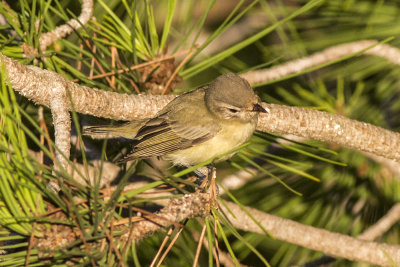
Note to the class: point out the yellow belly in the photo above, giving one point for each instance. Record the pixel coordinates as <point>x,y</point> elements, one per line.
<point>230,136</point>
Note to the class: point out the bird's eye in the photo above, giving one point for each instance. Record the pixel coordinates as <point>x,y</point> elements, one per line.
<point>232,110</point>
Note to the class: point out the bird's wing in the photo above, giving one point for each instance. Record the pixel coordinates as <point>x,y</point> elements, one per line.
<point>127,130</point>
<point>175,128</point>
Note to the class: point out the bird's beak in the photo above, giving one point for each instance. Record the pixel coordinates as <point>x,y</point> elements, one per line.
<point>259,108</point>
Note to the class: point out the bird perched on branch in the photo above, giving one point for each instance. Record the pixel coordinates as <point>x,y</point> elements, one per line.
<point>194,127</point>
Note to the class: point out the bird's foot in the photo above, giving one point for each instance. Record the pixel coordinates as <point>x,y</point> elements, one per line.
<point>207,177</point>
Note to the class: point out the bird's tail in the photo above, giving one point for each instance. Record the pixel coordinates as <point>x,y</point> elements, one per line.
<point>126,130</point>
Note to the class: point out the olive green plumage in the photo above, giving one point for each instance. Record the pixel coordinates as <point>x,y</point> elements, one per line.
<point>196,126</point>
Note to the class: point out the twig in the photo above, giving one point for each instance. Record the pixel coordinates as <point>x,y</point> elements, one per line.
<point>94,62</point>
<point>114,248</point>
<point>386,51</point>
<point>331,128</point>
<point>60,32</point>
<point>383,225</point>
<point>198,205</point>
<point>80,232</point>
<point>31,244</point>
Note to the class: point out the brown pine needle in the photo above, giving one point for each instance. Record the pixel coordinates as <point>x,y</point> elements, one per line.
<point>177,69</point>
<point>173,241</point>
<point>113,247</point>
<point>167,236</point>
<point>31,243</point>
<point>114,54</point>
<point>139,66</point>
<point>80,231</point>
<point>217,252</point>
<point>199,245</point>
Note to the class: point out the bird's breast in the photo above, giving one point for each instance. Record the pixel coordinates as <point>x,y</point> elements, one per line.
<point>230,136</point>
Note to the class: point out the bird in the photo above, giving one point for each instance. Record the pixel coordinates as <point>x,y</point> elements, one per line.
<point>196,126</point>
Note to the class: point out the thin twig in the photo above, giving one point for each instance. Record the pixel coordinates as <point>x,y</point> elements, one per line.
<point>383,224</point>
<point>94,61</point>
<point>330,54</point>
<point>60,32</point>
<point>224,257</point>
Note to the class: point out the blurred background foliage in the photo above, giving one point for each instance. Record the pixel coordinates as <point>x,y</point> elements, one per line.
<point>317,184</point>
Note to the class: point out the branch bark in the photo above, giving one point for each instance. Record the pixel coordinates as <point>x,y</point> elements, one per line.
<point>34,83</point>
<point>199,205</point>
<point>388,52</point>
<point>60,32</point>
<point>178,209</point>
<point>334,244</point>
<point>331,128</point>
<point>383,225</point>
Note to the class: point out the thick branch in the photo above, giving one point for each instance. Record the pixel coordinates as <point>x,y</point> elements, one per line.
<point>331,128</point>
<point>199,204</point>
<point>33,83</point>
<point>334,244</point>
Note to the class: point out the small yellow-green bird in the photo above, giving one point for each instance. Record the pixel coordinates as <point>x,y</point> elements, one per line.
<point>194,127</point>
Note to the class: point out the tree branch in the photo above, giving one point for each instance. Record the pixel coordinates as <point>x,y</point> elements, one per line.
<point>199,204</point>
<point>35,84</point>
<point>60,32</point>
<point>383,225</point>
<point>178,209</point>
<point>388,52</point>
<point>334,244</point>
<point>331,128</point>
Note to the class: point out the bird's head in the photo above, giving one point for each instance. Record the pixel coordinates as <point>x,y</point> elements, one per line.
<point>231,97</point>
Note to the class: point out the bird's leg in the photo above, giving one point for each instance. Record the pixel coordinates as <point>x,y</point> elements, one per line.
<point>207,178</point>
<point>202,174</point>
<point>212,174</point>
